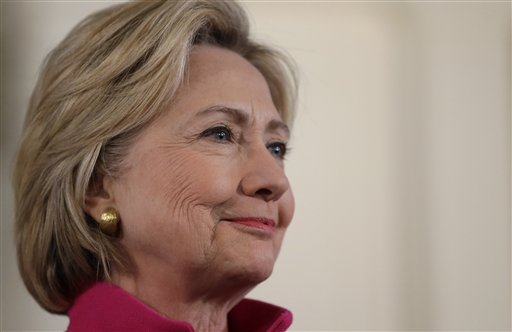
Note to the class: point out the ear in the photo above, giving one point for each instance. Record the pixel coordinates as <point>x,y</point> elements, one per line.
<point>99,196</point>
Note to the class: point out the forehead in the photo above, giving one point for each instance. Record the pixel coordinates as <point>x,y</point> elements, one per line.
<point>216,76</point>
<point>206,60</point>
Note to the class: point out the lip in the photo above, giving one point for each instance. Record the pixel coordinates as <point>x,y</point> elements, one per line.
<point>259,224</point>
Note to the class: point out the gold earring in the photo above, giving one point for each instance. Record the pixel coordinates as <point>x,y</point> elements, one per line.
<point>108,221</point>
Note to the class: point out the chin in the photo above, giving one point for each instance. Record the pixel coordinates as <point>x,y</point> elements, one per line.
<point>256,270</point>
<point>249,278</point>
<point>259,274</point>
<point>247,259</point>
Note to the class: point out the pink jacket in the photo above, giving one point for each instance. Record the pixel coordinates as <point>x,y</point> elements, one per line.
<point>106,307</point>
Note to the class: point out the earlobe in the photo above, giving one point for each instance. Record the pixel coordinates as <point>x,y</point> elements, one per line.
<point>99,196</point>
<point>108,221</point>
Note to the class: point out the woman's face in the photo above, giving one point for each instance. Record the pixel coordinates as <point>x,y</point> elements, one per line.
<point>204,192</point>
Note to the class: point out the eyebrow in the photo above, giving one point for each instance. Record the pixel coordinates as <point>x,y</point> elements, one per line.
<point>240,116</point>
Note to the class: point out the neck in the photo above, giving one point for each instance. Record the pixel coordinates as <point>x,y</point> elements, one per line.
<point>203,303</point>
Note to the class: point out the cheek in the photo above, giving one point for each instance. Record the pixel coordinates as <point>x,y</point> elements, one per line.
<point>286,208</point>
<point>180,183</point>
<point>194,179</point>
<point>180,190</point>
<point>172,196</point>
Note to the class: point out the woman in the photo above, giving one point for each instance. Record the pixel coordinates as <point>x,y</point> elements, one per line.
<point>150,184</point>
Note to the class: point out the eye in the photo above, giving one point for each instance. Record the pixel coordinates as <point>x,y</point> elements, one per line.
<point>277,149</point>
<point>219,133</point>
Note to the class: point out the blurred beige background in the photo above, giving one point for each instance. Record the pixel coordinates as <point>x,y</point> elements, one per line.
<point>400,162</point>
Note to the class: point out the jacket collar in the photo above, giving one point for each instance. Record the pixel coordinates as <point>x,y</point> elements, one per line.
<point>106,307</point>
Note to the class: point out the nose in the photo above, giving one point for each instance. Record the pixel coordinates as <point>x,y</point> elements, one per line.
<point>264,176</point>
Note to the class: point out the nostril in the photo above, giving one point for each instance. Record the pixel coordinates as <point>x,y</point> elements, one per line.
<point>264,192</point>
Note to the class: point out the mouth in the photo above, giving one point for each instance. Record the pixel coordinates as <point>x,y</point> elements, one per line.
<point>265,225</point>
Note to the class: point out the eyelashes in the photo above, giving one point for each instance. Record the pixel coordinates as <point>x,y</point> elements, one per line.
<point>224,134</point>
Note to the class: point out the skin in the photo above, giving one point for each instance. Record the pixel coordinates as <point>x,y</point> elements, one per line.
<point>186,177</point>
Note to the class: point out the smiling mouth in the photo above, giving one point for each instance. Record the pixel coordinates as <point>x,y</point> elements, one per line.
<point>256,223</point>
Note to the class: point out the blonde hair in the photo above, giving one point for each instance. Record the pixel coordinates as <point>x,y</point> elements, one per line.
<point>109,78</point>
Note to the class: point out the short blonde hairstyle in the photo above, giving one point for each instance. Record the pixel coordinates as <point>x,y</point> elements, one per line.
<point>108,79</point>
